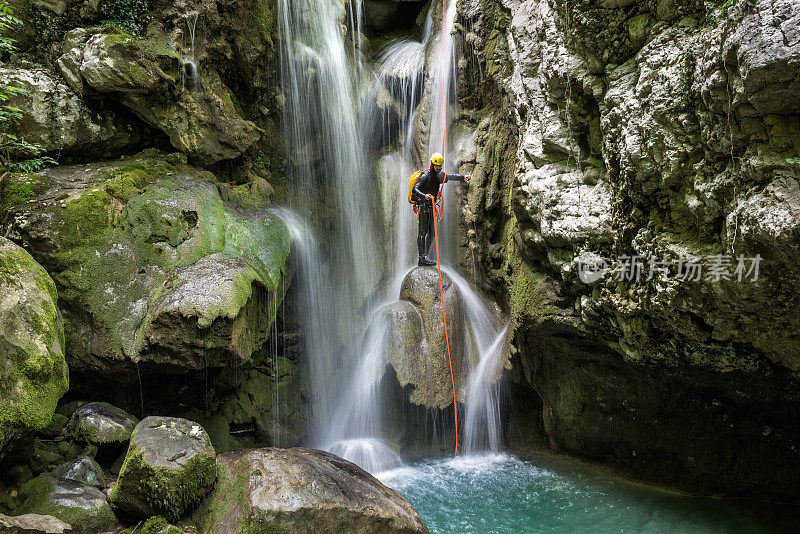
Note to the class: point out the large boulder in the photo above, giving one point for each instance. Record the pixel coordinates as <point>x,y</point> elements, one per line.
<point>33,373</point>
<point>100,423</point>
<point>56,118</point>
<point>416,344</point>
<point>147,76</point>
<point>304,491</point>
<point>151,264</point>
<point>169,468</point>
<point>33,524</point>
<point>83,507</point>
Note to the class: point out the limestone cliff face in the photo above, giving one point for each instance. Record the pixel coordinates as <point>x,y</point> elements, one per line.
<point>610,130</point>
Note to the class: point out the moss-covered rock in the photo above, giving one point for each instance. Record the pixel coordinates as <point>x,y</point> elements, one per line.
<point>56,118</point>
<point>33,373</point>
<point>83,507</point>
<point>147,75</point>
<point>100,423</point>
<point>301,490</point>
<point>169,468</point>
<point>152,265</point>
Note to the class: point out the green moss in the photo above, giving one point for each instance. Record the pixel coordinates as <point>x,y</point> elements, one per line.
<point>34,376</point>
<point>19,188</point>
<point>119,238</point>
<point>171,492</point>
<point>36,495</point>
<point>230,493</point>
<point>154,525</point>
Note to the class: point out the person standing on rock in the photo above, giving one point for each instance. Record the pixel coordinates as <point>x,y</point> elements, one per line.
<point>425,190</point>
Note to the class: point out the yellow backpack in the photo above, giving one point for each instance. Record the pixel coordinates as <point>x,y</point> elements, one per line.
<point>411,183</point>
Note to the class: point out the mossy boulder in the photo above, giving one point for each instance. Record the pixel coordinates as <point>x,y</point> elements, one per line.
<point>56,118</point>
<point>169,468</point>
<point>146,75</point>
<point>152,265</point>
<point>100,423</point>
<point>83,470</point>
<point>301,490</point>
<point>83,507</point>
<point>33,373</point>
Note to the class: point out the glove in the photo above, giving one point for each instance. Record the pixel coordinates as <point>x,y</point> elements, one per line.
<point>429,197</point>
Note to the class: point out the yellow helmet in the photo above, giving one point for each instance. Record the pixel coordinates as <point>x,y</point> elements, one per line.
<point>437,159</point>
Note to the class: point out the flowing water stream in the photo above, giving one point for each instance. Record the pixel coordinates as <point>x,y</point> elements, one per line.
<point>328,134</point>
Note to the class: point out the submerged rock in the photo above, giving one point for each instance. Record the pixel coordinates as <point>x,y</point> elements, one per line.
<point>83,470</point>
<point>33,524</point>
<point>33,373</point>
<point>152,265</point>
<point>302,490</point>
<point>83,507</point>
<point>100,422</point>
<point>169,468</point>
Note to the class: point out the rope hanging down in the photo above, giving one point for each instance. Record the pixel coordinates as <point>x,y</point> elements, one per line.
<point>437,217</point>
<point>444,318</point>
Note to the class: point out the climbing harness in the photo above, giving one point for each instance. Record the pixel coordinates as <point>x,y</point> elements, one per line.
<point>437,218</point>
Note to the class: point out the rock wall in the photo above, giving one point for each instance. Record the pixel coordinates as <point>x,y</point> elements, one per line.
<point>169,270</point>
<point>607,134</point>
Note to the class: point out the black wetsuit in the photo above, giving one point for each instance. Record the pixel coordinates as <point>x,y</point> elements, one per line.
<point>428,184</point>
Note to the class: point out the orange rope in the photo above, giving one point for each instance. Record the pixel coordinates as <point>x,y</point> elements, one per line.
<point>444,318</point>
<point>437,217</point>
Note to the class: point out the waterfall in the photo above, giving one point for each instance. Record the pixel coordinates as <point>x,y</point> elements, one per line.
<point>328,137</point>
<point>327,163</point>
<point>400,75</point>
<point>191,64</point>
<point>443,109</point>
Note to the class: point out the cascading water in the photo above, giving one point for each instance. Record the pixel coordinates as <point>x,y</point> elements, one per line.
<point>339,283</point>
<point>482,414</point>
<point>191,63</point>
<point>327,163</point>
<point>443,76</point>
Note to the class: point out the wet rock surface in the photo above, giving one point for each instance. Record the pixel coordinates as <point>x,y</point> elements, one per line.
<point>33,524</point>
<point>83,507</point>
<point>168,469</point>
<point>302,490</point>
<point>84,470</point>
<point>100,422</point>
<point>33,373</point>
<point>646,132</point>
<point>417,345</point>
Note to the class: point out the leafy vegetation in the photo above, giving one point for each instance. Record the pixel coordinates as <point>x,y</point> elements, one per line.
<point>16,153</point>
<point>128,15</point>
